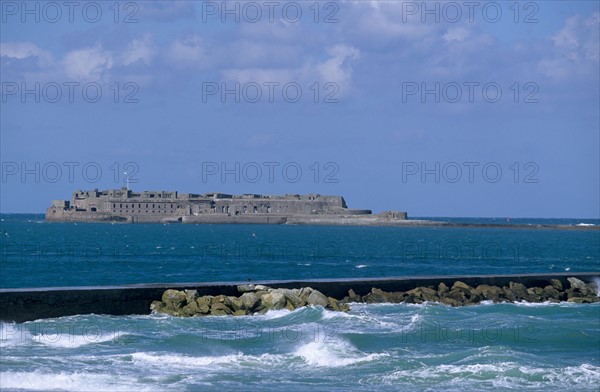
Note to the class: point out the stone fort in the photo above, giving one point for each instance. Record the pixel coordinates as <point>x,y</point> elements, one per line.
<point>124,205</point>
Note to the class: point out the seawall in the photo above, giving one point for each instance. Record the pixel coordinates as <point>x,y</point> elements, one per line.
<point>26,304</point>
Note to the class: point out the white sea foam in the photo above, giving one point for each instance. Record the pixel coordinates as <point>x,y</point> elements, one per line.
<point>12,334</point>
<point>596,281</point>
<point>74,341</point>
<point>178,361</point>
<point>361,266</point>
<point>585,224</point>
<point>63,381</point>
<point>275,314</point>
<point>505,374</point>
<point>542,304</point>
<point>333,353</point>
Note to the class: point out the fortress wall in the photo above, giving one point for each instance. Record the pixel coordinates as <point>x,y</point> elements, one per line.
<point>19,305</point>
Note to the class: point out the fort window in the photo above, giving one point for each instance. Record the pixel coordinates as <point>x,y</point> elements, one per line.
<point>120,205</point>
<point>94,209</point>
<point>146,205</point>
<point>245,209</point>
<point>268,208</point>
<point>255,209</point>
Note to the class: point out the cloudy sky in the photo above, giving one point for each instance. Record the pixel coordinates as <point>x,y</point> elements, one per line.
<point>438,108</point>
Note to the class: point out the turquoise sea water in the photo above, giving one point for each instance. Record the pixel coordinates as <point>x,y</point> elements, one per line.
<point>373,347</point>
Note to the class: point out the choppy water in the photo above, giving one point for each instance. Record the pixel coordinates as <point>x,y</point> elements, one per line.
<point>373,347</point>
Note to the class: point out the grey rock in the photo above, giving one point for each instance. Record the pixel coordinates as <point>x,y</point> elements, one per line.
<point>577,284</point>
<point>556,284</point>
<point>353,297</point>
<point>220,309</point>
<point>174,299</point>
<point>442,289</point>
<point>458,285</point>
<point>317,298</point>
<point>249,301</point>
<point>305,293</point>
<point>246,288</point>
<point>191,295</point>
<point>293,297</point>
<point>274,300</point>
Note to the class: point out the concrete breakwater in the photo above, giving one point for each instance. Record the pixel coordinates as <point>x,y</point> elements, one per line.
<point>260,298</point>
<point>25,304</point>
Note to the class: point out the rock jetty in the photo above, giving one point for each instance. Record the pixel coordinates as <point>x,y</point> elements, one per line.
<point>260,299</point>
<point>253,299</point>
<point>461,294</point>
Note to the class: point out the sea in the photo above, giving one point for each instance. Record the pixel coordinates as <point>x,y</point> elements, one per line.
<point>373,347</point>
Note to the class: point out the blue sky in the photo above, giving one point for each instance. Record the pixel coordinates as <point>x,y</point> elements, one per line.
<point>477,113</point>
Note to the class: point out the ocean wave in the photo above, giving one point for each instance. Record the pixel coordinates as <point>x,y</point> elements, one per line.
<point>334,353</point>
<point>63,381</point>
<point>75,341</point>
<point>239,359</point>
<point>509,375</point>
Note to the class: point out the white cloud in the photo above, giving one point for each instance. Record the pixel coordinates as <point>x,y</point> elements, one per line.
<point>141,49</point>
<point>336,69</point>
<point>576,49</point>
<point>190,52</point>
<point>456,34</point>
<point>23,50</point>
<point>387,19</point>
<point>88,63</point>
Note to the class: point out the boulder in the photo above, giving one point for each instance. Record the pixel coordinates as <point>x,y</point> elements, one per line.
<point>220,309</point>
<point>458,285</point>
<point>550,293</point>
<point>442,289</point>
<point>246,288</point>
<point>191,309</point>
<point>377,296</point>
<point>236,304</point>
<point>412,299</point>
<point>274,300</point>
<point>174,299</point>
<point>293,297</point>
<point>317,298</point>
<point>157,306</point>
<point>556,284</point>
<point>429,294</point>
<point>249,301</point>
<point>353,296</point>
<point>450,301</point>
<point>305,293</point>
<point>492,293</point>
<point>191,295</point>
<point>457,295</point>
<point>579,285</point>
<point>223,299</point>
<point>517,291</point>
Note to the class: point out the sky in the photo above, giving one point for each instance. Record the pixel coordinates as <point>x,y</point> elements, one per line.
<point>468,109</point>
